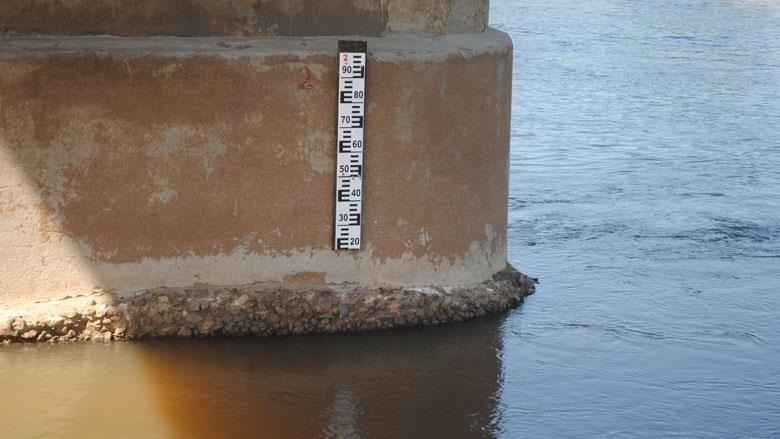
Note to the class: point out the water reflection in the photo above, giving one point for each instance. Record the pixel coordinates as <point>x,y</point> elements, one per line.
<point>439,382</point>
<point>81,390</point>
<point>434,382</point>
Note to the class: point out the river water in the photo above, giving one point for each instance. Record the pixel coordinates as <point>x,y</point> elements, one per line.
<point>645,196</point>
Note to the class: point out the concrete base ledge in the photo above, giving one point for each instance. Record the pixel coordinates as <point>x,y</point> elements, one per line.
<point>391,48</point>
<point>263,309</point>
<point>240,17</point>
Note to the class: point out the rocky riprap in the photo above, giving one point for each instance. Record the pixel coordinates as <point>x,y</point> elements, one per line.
<point>258,309</point>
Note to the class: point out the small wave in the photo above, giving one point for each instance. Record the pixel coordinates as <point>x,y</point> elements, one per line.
<point>714,336</point>
<point>701,194</point>
<point>731,335</point>
<point>733,230</point>
<point>619,331</point>
<point>723,230</point>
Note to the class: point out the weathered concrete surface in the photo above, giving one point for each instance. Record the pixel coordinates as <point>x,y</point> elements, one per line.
<point>132,164</point>
<point>258,309</point>
<point>241,17</point>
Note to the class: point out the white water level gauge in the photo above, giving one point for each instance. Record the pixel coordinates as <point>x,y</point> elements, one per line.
<point>350,144</point>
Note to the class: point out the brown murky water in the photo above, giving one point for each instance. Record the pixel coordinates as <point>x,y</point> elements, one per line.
<point>435,382</point>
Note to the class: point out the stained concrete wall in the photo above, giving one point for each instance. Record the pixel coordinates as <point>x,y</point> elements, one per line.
<point>241,17</point>
<point>140,162</point>
<point>132,164</point>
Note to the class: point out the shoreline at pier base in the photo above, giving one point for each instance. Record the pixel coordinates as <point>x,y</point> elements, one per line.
<point>261,309</point>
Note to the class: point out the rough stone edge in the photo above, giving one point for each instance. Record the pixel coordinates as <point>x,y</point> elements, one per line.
<point>262,309</point>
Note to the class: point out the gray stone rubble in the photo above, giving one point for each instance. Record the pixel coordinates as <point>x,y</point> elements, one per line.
<point>260,309</point>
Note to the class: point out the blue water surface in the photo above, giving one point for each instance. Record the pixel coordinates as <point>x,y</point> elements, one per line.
<point>645,195</point>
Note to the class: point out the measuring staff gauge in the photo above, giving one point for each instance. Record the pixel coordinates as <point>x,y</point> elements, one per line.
<point>350,144</point>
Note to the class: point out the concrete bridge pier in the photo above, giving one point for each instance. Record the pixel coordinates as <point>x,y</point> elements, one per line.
<point>167,168</point>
